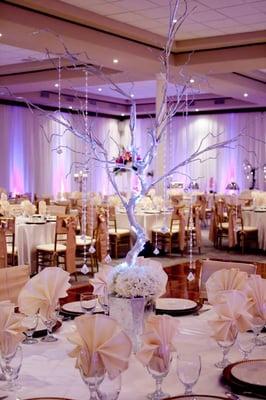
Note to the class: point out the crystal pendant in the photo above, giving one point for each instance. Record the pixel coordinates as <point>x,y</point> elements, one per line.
<point>59,150</point>
<point>190,277</point>
<point>84,269</point>
<point>107,259</point>
<point>156,251</point>
<point>164,229</point>
<point>92,249</point>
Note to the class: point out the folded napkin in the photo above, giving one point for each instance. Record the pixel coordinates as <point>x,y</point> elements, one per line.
<point>101,346</point>
<point>3,196</point>
<point>100,281</point>
<point>28,208</point>
<point>43,291</point>
<point>157,342</point>
<point>232,315</point>
<point>256,292</point>
<point>10,328</point>
<point>225,279</point>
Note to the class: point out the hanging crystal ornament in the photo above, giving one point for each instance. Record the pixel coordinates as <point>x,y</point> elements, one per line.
<point>156,251</point>
<point>107,258</point>
<point>59,149</point>
<point>85,269</point>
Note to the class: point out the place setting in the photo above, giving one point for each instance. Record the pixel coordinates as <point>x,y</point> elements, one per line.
<point>177,306</point>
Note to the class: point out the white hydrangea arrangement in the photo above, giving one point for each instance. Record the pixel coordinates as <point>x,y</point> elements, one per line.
<point>139,281</point>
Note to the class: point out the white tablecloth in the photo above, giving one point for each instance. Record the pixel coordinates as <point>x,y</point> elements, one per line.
<point>258,219</point>
<point>48,370</point>
<point>28,236</point>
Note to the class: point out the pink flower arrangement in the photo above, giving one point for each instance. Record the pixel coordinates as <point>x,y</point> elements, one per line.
<point>125,157</point>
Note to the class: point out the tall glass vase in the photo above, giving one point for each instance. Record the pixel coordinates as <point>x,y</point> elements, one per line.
<point>129,313</point>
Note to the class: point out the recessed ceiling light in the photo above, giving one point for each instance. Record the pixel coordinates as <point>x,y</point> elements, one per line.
<point>70,107</point>
<point>99,89</point>
<point>246,94</point>
<point>122,115</point>
<point>56,84</point>
<point>196,109</point>
<point>115,60</point>
<point>1,34</point>
<point>132,95</point>
<point>174,21</point>
<point>192,80</point>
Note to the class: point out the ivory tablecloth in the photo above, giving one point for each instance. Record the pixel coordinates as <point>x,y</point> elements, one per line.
<point>257,218</point>
<point>48,370</point>
<point>28,236</point>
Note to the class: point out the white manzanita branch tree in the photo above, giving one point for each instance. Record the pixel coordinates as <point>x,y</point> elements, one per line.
<point>98,150</point>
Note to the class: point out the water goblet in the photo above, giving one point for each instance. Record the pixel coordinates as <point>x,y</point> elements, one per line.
<point>30,322</point>
<point>88,302</point>
<point>109,389</point>
<point>103,301</point>
<point>188,370</point>
<point>10,364</point>
<point>49,321</point>
<point>159,368</point>
<point>245,343</point>
<point>225,345</point>
<point>93,377</point>
<point>257,326</point>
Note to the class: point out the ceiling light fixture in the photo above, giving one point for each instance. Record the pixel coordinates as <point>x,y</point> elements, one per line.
<point>132,95</point>
<point>246,94</point>
<point>56,85</point>
<point>1,34</point>
<point>192,80</point>
<point>122,115</point>
<point>99,89</point>
<point>174,21</point>
<point>115,60</point>
<point>196,109</point>
<point>70,107</point>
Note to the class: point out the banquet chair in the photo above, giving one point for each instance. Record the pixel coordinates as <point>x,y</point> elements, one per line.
<point>3,249</point>
<point>119,238</point>
<point>247,234</point>
<point>70,258</point>
<point>175,236</point>
<point>56,210</point>
<point>209,266</point>
<point>193,228</point>
<point>50,254</point>
<point>8,224</point>
<point>12,280</point>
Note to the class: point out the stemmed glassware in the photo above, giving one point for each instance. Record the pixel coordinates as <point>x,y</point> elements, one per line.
<point>50,321</point>
<point>245,343</point>
<point>10,365</point>
<point>258,325</point>
<point>88,302</point>
<point>103,301</point>
<point>101,387</point>
<point>159,370</point>
<point>188,370</point>
<point>225,345</point>
<point>30,322</point>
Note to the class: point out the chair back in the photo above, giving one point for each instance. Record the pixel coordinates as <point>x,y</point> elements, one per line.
<point>178,220</point>
<point>71,247</point>
<point>56,210</point>
<point>12,280</point>
<point>112,218</point>
<point>3,249</point>
<point>208,267</point>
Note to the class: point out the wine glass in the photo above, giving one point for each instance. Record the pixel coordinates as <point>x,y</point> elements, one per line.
<point>107,388</point>
<point>10,365</point>
<point>49,321</point>
<point>188,370</point>
<point>159,367</point>
<point>225,345</point>
<point>88,302</point>
<point>30,322</point>
<point>245,343</point>
<point>258,324</point>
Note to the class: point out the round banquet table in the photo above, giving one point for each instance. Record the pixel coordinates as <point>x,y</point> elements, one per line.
<point>28,236</point>
<point>257,217</point>
<point>47,370</point>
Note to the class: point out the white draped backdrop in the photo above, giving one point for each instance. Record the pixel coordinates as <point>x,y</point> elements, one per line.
<point>29,163</point>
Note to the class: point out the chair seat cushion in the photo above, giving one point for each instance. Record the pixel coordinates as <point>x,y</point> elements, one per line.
<point>119,231</point>
<point>50,247</point>
<point>225,225</point>
<point>9,249</point>
<point>81,242</point>
<point>250,228</point>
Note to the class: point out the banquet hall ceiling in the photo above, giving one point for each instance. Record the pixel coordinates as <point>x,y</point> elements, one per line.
<point>221,46</point>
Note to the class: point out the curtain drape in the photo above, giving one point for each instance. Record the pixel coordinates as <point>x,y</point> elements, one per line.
<point>37,155</point>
